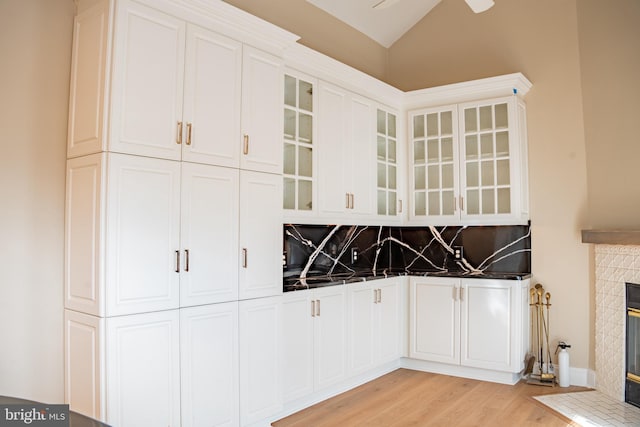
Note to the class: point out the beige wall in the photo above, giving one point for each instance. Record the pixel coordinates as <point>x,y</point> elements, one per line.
<point>35,47</point>
<point>610,64</point>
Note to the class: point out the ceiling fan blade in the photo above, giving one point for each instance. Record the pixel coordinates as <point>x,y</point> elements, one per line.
<point>384,4</point>
<point>479,6</point>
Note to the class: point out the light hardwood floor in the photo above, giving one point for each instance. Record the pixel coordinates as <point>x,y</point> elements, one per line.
<point>412,398</point>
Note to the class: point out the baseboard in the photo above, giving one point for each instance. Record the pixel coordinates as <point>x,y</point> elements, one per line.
<point>580,376</point>
<point>461,371</point>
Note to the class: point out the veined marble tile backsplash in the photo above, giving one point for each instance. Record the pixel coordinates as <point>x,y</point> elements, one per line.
<point>346,252</point>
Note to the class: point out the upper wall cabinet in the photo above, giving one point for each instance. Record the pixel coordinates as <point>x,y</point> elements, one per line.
<point>171,90</point>
<point>468,163</point>
<point>389,195</point>
<point>346,158</point>
<point>299,148</point>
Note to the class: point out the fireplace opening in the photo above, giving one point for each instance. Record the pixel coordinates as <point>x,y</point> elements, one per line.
<point>632,343</point>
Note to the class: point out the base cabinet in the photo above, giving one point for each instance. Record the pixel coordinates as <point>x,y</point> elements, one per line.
<point>479,323</point>
<point>314,345</point>
<point>374,324</point>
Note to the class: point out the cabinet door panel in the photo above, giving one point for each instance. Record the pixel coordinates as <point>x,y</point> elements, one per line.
<point>209,234</point>
<point>262,121</point>
<point>297,345</point>
<point>260,234</point>
<point>212,91</point>
<point>332,171</point>
<point>389,322</point>
<point>486,325</point>
<point>361,156</point>
<point>143,366</point>
<point>330,337</point>
<point>209,365</point>
<point>147,82</point>
<point>362,328</point>
<point>143,223</point>
<point>260,360</point>
<point>434,321</point>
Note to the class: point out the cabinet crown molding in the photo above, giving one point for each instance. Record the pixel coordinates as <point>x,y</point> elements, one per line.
<point>491,87</point>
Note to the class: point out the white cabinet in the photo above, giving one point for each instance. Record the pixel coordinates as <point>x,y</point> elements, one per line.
<point>260,235</point>
<point>478,323</point>
<point>374,323</point>
<point>314,350</point>
<point>388,165</point>
<point>346,158</point>
<point>130,248</point>
<point>209,365</point>
<point>468,163</point>
<point>172,90</point>
<point>133,360</point>
<point>260,338</point>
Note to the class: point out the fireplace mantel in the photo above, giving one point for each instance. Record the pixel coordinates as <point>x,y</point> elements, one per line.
<point>611,237</point>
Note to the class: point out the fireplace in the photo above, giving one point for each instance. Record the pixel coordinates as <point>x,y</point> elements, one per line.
<point>632,345</point>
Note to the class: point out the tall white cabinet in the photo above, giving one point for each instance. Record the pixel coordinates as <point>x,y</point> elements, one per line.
<point>173,217</point>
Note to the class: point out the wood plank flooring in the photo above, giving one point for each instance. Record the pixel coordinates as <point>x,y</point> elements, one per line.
<point>412,398</point>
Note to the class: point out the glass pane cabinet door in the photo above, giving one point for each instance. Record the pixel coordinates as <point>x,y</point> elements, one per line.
<point>298,144</point>
<point>387,164</point>
<point>486,166</point>
<point>434,155</point>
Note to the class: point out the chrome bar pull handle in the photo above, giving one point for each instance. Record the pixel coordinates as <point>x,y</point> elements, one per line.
<point>313,308</point>
<point>188,133</point>
<point>400,206</point>
<point>317,307</point>
<point>461,293</point>
<point>375,296</point>
<point>244,257</point>
<point>179,135</point>
<point>461,203</point>
<point>455,293</point>
<point>346,200</point>
<point>245,144</point>
<point>177,261</point>
<point>352,199</point>
<point>380,296</point>
<point>186,260</point>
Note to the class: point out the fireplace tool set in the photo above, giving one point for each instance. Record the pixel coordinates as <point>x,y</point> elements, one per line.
<point>540,373</point>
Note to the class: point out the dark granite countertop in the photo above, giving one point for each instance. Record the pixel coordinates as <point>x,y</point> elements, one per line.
<point>294,283</point>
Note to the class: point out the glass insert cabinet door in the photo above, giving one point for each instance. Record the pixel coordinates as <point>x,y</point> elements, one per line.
<point>434,152</point>
<point>297,162</point>
<point>486,158</point>
<point>387,167</point>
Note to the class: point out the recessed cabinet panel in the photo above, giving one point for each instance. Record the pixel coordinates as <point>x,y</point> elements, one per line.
<point>212,90</point>
<point>209,365</point>
<point>262,88</point>
<point>143,362</point>
<point>86,98</point>
<point>209,236</point>
<point>147,82</point>
<point>143,223</point>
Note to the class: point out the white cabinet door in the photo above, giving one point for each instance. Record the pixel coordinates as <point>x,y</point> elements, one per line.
<point>209,236</point>
<point>262,121</point>
<point>260,235</point>
<point>147,86</point>
<point>333,176</point>
<point>361,156</point>
<point>209,365</point>
<point>330,333</point>
<point>297,349</point>
<point>487,319</point>
<point>212,91</point>
<point>143,230</point>
<point>362,300</point>
<point>388,321</point>
<point>260,359</point>
<point>434,324</point>
<point>143,366</point>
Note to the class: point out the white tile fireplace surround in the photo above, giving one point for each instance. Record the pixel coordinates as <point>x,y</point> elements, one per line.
<point>614,266</point>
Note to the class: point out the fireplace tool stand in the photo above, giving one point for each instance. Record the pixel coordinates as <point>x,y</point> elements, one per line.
<point>540,373</point>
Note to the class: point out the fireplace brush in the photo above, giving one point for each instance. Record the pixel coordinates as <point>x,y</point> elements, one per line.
<point>540,303</point>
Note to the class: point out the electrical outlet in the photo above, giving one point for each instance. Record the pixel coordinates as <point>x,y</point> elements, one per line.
<point>354,255</point>
<point>457,253</point>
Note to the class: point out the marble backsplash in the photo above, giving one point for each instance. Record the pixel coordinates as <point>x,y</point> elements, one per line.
<point>335,253</point>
